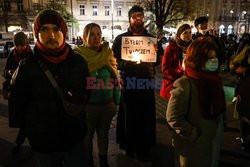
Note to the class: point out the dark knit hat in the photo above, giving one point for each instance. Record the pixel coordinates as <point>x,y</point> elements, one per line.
<point>182,28</point>
<point>200,20</point>
<point>49,16</point>
<point>20,39</point>
<point>134,9</point>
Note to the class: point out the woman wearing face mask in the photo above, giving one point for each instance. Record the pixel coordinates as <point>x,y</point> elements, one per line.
<point>196,106</point>
<point>173,59</point>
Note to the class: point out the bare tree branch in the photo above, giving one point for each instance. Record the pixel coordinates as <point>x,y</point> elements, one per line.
<point>167,12</point>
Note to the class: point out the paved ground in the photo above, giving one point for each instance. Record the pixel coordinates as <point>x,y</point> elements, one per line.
<point>162,154</point>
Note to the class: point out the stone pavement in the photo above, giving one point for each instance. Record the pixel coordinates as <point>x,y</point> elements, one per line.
<point>162,154</point>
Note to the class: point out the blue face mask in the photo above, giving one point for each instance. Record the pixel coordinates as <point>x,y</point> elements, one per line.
<point>212,65</point>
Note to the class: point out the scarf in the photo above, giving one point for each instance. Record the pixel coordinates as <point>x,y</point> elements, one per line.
<point>19,56</point>
<point>182,43</point>
<point>211,94</point>
<point>97,60</point>
<point>55,55</point>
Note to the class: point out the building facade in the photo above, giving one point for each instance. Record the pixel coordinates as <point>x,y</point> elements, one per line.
<point>226,16</point>
<point>20,14</point>
<point>106,13</point>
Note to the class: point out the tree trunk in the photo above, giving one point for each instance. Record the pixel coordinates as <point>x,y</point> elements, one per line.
<point>6,23</point>
<point>159,30</point>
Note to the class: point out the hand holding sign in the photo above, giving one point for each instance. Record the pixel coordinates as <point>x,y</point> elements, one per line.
<point>139,49</point>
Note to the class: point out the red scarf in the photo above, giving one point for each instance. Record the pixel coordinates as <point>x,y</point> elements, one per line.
<point>211,94</point>
<point>54,56</point>
<point>19,56</point>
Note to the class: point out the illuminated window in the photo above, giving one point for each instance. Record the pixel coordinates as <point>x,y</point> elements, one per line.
<point>221,29</point>
<point>229,29</point>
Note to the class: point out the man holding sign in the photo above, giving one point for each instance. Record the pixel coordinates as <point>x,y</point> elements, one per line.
<point>136,55</point>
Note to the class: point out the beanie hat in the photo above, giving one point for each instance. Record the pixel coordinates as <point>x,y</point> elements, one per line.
<point>20,39</point>
<point>49,16</point>
<point>134,9</point>
<point>182,28</point>
<point>200,20</point>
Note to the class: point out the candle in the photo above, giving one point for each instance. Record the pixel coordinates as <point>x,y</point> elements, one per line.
<point>136,57</point>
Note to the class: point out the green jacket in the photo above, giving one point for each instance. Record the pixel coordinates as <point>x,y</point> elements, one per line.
<point>103,93</point>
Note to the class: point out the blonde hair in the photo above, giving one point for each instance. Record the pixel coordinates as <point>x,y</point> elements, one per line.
<point>87,30</point>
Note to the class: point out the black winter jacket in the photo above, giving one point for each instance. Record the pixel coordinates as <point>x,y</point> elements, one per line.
<point>11,64</point>
<point>130,69</point>
<point>37,106</point>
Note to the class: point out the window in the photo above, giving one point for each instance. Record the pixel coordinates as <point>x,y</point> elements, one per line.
<point>82,10</point>
<point>106,10</point>
<point>20,6</point>
<point>243,14</point>
<point>223,12</point>
<point>7,6</point>
<point>221,29</point>
<point>94,10</point>
<point>119,11</point>
<point>36,6</point>
<point>229,29</point>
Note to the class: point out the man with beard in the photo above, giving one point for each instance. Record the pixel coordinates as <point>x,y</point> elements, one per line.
<point>55,136</point>
<point>136,129</point>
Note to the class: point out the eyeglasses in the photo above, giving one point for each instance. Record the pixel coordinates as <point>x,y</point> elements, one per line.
<point>136,15</point>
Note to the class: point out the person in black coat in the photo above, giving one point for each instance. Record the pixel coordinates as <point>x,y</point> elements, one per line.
<point>241,66</point>
<point>55,135</point>
<point>201,24</point>
<point>21,50</point>
<point>136,126</point>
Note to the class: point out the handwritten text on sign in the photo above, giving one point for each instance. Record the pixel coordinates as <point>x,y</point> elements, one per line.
<point>142,46</point>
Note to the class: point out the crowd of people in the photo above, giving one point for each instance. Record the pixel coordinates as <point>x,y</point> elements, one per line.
<point>59,96</point>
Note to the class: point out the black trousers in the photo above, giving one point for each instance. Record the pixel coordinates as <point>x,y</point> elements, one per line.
<point>20,136</point>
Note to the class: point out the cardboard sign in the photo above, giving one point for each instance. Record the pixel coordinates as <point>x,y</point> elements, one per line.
<point>139,49</point>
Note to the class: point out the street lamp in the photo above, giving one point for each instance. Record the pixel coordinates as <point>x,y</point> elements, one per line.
<point>112,15</point>
<point>72,25</point>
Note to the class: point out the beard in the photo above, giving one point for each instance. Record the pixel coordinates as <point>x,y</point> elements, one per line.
<point>137,27</point>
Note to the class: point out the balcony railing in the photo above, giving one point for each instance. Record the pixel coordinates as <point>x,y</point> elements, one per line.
<point>228,18</point>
